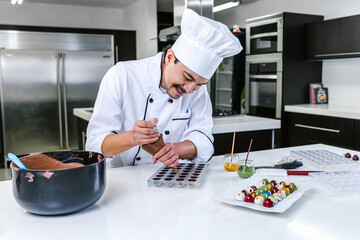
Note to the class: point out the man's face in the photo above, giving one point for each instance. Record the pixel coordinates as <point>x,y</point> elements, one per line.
<point>178,79</point>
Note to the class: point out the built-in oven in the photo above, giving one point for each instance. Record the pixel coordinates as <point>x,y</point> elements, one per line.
<point>263,85</point>
<point>264,34</point>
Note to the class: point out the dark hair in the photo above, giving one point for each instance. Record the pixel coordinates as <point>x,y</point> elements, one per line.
<point>165,49</point>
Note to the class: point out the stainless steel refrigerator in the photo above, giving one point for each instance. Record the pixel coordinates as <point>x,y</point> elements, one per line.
<point>43,77</point>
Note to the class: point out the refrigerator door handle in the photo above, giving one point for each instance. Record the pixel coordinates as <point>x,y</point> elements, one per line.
<point>58,77</point>
<point>66,130</point>
<point>116,54</point>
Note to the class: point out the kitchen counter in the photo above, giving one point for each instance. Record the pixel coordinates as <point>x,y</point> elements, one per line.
<point>228,124</point>
<point>351,111</point>
<point>83,113</point>
<point>129,209</point>
<point>243,123</point>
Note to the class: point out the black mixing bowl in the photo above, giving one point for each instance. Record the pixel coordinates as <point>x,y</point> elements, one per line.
<point>55,192</point>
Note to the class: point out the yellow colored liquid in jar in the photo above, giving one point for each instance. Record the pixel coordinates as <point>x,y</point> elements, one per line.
<point>230,166</point>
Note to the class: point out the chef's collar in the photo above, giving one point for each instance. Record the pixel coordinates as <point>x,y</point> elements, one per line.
<point>163,90</point>
<point>154,73</point>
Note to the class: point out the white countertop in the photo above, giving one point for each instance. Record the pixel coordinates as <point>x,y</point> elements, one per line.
<point>243,123</point>
<point>351,111</point>
<point>228,124</point>
<point>129,209</point>
<point>84,113</point>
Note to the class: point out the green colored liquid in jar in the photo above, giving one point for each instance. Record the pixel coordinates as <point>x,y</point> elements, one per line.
<point>244,173</point>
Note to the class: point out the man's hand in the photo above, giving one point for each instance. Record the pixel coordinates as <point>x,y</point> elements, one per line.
<point>168,155</point>
<point>145,132</point>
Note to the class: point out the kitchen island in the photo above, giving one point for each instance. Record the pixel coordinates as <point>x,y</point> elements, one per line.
<point>129,209</point>
<point>246,127</point>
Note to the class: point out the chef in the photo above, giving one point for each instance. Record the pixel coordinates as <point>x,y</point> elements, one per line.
<point>164,94</point>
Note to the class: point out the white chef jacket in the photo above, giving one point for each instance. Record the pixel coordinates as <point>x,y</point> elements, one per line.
<point>130,91</point>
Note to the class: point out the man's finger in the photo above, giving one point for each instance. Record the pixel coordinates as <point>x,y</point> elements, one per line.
<point>162,151</point>
<point>145,124</point>
<point>174,164</point>
<point>154,121</point>
<point>171,160</point>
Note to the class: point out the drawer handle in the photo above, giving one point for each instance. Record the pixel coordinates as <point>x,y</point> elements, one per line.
<point>317,128</point>
<point>337,54</point>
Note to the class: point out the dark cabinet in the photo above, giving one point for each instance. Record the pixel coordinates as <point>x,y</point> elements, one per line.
<point>357,135</point>
<point>262,140</point>
<point>335,38</point>
<point>124,45</point>
<point>82,127</point>
<point>302,129</point>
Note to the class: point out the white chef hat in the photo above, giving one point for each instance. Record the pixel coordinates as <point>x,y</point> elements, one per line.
<point>204,43</point>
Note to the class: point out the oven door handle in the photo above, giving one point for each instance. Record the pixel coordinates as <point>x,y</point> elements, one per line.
<point>274,76</point>
<point>261,35</point>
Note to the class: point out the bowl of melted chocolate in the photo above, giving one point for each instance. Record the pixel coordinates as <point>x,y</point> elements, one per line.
<point>57,183</point>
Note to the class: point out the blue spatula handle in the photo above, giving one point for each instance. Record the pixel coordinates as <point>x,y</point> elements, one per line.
<point>17,161</point>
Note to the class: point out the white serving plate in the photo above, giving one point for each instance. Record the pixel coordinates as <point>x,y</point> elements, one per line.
<point>229,195</point>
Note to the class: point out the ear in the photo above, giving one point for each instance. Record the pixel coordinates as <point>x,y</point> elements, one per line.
<point>170,56</point>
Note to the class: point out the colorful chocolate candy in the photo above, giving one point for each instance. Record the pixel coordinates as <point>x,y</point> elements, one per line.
<point>266,193</point>
<point>240,196</point>
<point>259,200</point>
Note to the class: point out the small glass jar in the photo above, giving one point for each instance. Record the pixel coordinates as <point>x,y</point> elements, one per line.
<point>231,164</point>
<point>245,171</point>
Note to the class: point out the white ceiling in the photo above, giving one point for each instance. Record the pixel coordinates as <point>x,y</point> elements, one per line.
<point>88,3</point>
<point>163,5</point>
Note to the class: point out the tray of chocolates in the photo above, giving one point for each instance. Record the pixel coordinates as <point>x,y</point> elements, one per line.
<point>324,160</point>
<point>191,175</point>
<point>261,193</point>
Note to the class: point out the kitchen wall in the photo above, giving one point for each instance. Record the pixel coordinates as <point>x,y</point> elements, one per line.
<point>140,16</point>
<point>340,76</point>
<point>145,25</point>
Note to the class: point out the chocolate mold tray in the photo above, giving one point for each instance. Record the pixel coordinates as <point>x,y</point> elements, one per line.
<point>191,175</point>
<point>323,160</point>
<point>341,183</point>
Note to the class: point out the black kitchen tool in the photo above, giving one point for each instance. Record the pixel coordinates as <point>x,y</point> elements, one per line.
<point>287,165</point>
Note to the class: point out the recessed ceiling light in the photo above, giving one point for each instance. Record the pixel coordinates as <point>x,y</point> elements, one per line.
<point>13,2</point>
<point>225,6</point>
